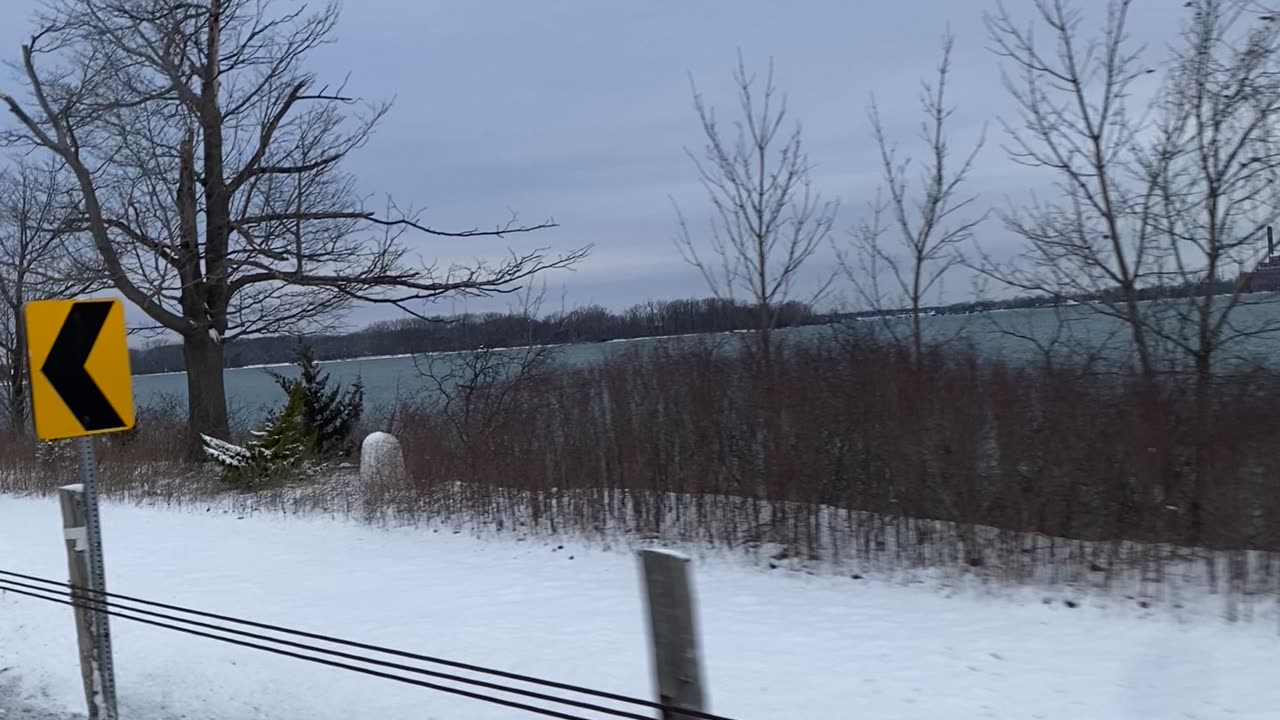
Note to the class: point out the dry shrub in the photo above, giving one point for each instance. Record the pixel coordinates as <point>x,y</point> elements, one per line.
<point>842,452</point>
<point>851,449</point>
<point>146,462</point>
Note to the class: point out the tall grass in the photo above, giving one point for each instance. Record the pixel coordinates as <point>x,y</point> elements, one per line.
<point>854,450</point>
<point>843,453</point>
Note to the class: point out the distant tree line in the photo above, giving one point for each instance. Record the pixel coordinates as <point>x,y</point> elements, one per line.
<point>1192,289</point>
<point>587,324</point>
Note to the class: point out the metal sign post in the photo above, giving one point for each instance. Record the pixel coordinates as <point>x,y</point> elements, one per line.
<point>83,388</point>
<point>103,665</point>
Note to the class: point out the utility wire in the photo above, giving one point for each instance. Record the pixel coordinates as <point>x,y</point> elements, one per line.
<point>64,587</point>
<point>308,658</point>
<point>99,605</point>
<point>375,648</point>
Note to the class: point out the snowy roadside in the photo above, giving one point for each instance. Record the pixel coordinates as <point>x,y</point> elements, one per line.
<point>21,712</point>
<point>12,708</point>
<point>778,644</point>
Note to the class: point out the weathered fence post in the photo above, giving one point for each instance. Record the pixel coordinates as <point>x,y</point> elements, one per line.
<point>95,655</point>
<point>673,631</point>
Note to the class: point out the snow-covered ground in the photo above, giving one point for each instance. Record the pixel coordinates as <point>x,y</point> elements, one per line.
<point>778,644</point>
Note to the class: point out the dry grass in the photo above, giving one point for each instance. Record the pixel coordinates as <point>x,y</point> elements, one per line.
<point>845,455</point>
<point>850,451</point>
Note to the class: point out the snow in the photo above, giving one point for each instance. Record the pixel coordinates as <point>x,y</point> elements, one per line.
<point>223,452</point>
<point>671,553</point>
<point>778,644</point>
<point>12,709</point>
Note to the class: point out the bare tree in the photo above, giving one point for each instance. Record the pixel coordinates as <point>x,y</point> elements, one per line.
<point>37,261</point>
<point>1160,207</point>
<point>1094,239</point>
<point>208,164</point>
<point>1217,164</point>
<point>767,220</point>
<point>930,223</point>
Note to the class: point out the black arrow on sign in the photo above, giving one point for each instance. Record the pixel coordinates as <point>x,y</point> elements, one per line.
<point>64,366</point>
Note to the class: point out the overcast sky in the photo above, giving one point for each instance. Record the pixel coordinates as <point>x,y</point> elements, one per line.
<point>580,110</point>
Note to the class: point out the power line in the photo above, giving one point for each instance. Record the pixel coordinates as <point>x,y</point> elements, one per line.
<point>63,587</point>
<point>375,648</point>
<point>97,605</point>
<point>300,656</point>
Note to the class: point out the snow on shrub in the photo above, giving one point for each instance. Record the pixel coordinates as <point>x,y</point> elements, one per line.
<point>315,425</point>
<point>272,455</point>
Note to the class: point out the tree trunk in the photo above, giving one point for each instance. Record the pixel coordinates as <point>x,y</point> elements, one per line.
<point>206,392</point>
<point>917,343</point>
<point>1203,453</point>
<point>18,392</point>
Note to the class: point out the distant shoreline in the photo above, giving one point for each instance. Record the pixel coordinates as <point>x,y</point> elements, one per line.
<point>442,353</point>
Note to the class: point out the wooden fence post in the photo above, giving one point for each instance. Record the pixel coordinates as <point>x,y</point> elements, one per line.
<point>673,631</point>
<point>100,701</point>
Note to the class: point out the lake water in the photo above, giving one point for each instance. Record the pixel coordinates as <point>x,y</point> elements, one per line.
<point>1013,334</point>
<point>252,391</point>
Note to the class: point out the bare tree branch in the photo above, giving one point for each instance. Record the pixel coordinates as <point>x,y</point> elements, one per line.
<point>931,223</point>
<point>209,165</point>
<point>767,220</point>
<point>39,260</point>
<point>1074,122</point>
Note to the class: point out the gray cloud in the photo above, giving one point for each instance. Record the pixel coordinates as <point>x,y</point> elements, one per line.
<point>581,111</point>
